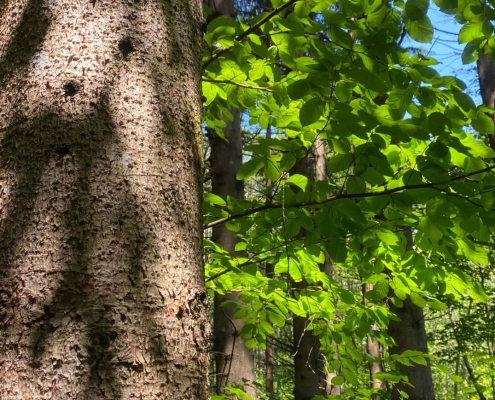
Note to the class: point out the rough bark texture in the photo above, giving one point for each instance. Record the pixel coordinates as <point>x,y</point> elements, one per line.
<point>320,161</point>
<point>234,362</point>
<point>486,76</point>
<point>410,334</point>
<point>309,378</point>
<point>101,284</point>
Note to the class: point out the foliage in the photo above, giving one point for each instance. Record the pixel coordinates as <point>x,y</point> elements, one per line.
<point>406,151</point>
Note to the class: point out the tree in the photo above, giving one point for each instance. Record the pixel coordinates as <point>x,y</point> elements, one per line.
<point>416,162</point>
<point>309,376</point>
<point>234,362</point>
<point>102,291</point>
<point>409,334</point>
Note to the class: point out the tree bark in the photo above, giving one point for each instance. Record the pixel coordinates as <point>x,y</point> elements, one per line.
<point>410,334</point>
<point>373,348</point>
<point>309,377</point>
<point>269,272</point>
<point>234,362</point>
<point>101,280</point>
<point>486,77</point>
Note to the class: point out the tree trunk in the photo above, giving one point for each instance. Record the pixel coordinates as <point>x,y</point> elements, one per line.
<point>101,290</point>
<point>269,272</point>
<point>234,362</point>
<point>309,377</point>
<point>410,334</point>
<point>320,161</point>
<point>373,348</point>
<point>486,77</point>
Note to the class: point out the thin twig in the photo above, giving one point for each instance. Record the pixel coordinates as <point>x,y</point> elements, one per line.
<point>247,32</point>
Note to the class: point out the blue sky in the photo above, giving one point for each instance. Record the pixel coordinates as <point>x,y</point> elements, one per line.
<point>448,52</point>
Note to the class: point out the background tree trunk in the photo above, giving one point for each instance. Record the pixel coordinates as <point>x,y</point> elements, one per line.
<point>373,348</point>
<point>102,289</point>
<point>410,334</point>
<point>234,362</point>
<point>309,377</point>
<point>486,77</point>
<point>269,272</point>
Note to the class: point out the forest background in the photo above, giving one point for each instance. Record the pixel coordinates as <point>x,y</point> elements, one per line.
<point>351,217</point>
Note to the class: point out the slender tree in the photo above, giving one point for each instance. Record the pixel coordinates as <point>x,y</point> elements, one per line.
<point>410,334</point>
<point>309,376</point>
<point>102,289</point>
<point>269,271</point>
<point>373,348</point>
<point>234,362</point>
<point>486,78</point>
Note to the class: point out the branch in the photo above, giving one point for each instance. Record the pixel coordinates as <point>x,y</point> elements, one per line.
<point>242,85</point>
<point>353,196</point>
<point>247,32</point>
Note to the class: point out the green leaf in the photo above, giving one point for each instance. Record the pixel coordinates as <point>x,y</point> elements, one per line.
<point>299,89</point>
<point>338,380</point>
<point>421,30</point>
<point>380,290</point>
<point>340,162</point>
<point>282,267</point>
<point>250,167</point>
<point>298,180</point>
<point>311,111</point>
<point>401,98</point>
<point>473,252</point>
<point>483,123</point>
<point>295,271</point>
<point>343,91</point>
<point>471,51</point>
<point>464,101</point>
<point>437,305</point>
<point>229,304</point>
<point>470,31</point>
<point>447,6</point>
<point>437,123</point>
<point>287,162</point>
<point>272,171</point>
<point>417,300</point>
<point>477,293</point>
<point>387,237</point>
<point>416,9</point>
<point>276,318</point>
<point>366,78</point>
<point>340,37</point>
<point>476,147</point>
<point>346,296</point>
<point>214,199</point>
<point>355,184</point>
<point>337,250</point>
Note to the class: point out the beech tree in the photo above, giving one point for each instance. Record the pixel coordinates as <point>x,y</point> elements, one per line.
<point>102,289</point>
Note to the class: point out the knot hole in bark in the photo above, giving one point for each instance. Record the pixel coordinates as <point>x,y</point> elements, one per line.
<point>126,47</point>
<point>62,150</point>
<point>71,88</point>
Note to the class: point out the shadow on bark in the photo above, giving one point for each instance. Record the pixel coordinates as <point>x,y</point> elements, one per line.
<point>27,37</point>
<point>94,313</point>
<point>28,153</point>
